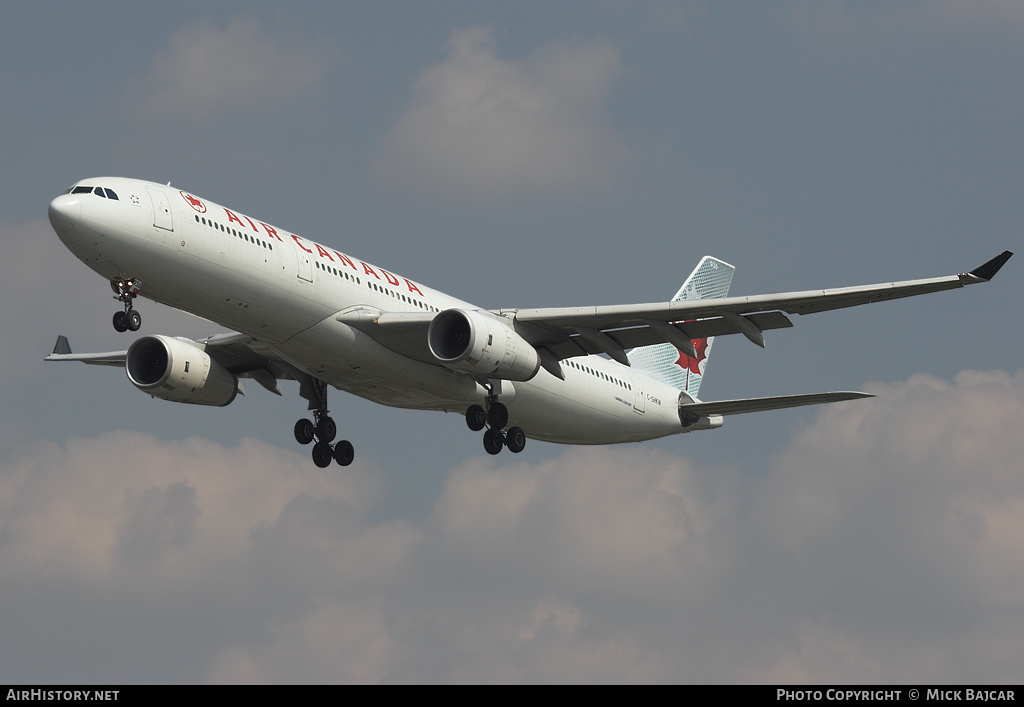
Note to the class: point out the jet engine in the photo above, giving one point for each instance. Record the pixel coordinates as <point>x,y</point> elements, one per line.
<point>483,344</point>
<point>180,371</point>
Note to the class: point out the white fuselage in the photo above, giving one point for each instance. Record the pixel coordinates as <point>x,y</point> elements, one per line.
<point>286,291</point>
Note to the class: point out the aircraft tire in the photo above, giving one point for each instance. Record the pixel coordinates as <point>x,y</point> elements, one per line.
<point>344,453</point>
<point>497,416</point>
<point>515,439</point>
<point>493,441</point>
<point>327,430</point>
<point>476,418</point>
<point>304,431</point>
<point>132,320</point>
<point>321,455</point>
<point>119,321</point>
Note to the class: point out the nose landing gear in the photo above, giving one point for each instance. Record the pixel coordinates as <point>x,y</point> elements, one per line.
<point>495,417</point>
<point>126,289</point>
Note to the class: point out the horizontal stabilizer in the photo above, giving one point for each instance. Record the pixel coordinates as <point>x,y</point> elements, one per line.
<point>735,407</point>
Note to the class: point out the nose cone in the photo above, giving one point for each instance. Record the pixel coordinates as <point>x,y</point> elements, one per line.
<point>65,211</point>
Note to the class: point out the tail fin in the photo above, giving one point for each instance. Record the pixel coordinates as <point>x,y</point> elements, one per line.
<point>664,362</point>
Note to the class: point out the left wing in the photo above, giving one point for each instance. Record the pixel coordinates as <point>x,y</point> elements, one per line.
<point>242,355</point>
<point>62,352</point>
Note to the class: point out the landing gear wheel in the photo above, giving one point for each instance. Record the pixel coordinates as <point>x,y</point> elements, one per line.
<point>133,320</point>
<point>344,453</point>
<point>476,418</point>
<point>321,429</point>
<point>515,439</point>
<point>497,416</point>
<point>304,431</point>
<point>326,430</point>
<point>493,441</point>
<point>125,290</point>
<point>322,455</point>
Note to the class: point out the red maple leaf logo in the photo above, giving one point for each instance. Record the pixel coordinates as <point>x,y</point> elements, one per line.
<point>700,347</point>
<point>194,202</point>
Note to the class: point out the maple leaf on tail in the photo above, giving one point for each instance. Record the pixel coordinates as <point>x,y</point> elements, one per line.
<point>700,347</point>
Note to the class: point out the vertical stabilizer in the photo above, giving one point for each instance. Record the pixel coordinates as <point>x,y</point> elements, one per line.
<point>664,362</point>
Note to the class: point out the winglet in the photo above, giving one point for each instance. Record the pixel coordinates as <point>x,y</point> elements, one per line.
<point>987,271</point>
<point>62,346</point>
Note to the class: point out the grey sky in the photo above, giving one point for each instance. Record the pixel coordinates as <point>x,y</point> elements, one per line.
<point>541,154</point>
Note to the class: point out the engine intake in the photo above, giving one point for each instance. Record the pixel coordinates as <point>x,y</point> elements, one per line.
<point>180,371</point>
<point>483,344</point>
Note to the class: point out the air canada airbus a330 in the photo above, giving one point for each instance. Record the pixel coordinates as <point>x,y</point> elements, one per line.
<point>307,312</point>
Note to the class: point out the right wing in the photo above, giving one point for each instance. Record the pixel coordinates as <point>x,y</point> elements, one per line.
<point>565,332</point>
<point>578,331</point>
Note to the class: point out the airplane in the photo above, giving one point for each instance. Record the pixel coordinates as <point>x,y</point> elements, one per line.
<point>303,311</point>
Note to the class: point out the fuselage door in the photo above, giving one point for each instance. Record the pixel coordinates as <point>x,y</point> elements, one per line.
<point>639,397</point>
<point>305,264</point>
<point>161,209</point>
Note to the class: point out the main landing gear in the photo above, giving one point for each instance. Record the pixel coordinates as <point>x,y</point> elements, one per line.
<point>322,428</point>
<point>495,417</point>
<point>126,289</point>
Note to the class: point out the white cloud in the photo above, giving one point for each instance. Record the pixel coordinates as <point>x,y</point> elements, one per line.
<point>883,545</point>
<point>209,72</point>
<point>335,642</point>
<point>565,518</point>
<point>482,125</point>
<point>895,523</point>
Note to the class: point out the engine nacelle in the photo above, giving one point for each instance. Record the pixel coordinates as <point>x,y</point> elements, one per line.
<point>178,370</point>
<point>483,344</point>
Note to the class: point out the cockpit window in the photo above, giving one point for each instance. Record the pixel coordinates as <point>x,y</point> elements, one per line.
<point>101,192</point>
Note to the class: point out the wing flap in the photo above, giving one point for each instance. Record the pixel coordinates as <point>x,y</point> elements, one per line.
<point>645,335</point>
